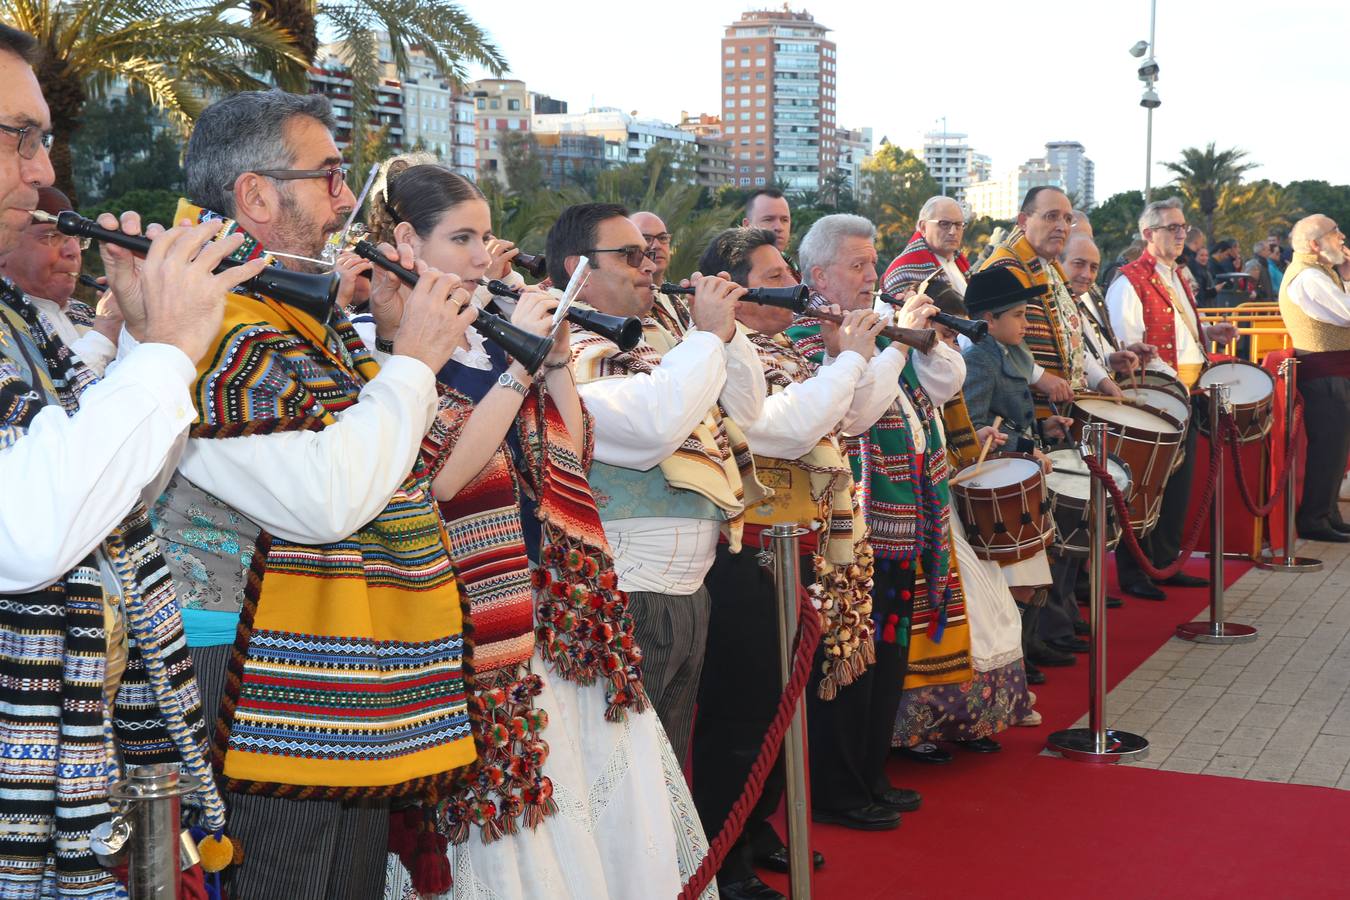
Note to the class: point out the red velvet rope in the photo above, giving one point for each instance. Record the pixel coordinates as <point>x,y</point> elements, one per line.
<point>808,636</point>
<point>1235,451</point>
<point>1192,535</point>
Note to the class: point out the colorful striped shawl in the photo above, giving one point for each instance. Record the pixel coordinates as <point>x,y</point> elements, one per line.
<point>348,673</point>
<point>915,263</point>
<point>59,743</point>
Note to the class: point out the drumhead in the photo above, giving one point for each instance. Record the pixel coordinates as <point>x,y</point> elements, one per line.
<point>1070,476</point>
<point>1000,472</point>
<point>1246,383</point>
<point>1124,414</point>
<point>1163,399</point>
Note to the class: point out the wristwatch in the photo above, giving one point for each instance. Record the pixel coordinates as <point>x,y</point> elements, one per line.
<point>511,382</point>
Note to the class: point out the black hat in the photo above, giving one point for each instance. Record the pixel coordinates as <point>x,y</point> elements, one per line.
<point>994,290</point>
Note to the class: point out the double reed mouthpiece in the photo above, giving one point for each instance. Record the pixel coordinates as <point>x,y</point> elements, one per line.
<point>529,349</point>
<point>793,298</point>
<point>973,329</point>
<point>314,295</point>
<point>624,331</point>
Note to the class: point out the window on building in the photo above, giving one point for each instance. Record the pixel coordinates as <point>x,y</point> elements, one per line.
<point>730,89</point>
<point>731,64</point>
<point>745,181</point>
<point>728,49</point>
<point>745,63</point>
<point>761,88</point>
<point>513,104</point>
<point>482,104</point>
<point>496,104</point>
<point>759,115</point>
<point>745,89</point>
<point>759,128</point>
<point>759,182</point>
<point>745,101</point>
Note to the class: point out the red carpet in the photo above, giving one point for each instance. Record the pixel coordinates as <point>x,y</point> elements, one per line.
<point>1018,824</point>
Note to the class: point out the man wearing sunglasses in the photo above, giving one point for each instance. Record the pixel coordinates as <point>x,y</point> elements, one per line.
<point>1316,308</point>
<point>1152,303</point>
<point>45,265</point>
<point>668,474</point>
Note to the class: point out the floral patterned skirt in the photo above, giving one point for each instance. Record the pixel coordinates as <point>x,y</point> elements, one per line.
<point>979,708</point>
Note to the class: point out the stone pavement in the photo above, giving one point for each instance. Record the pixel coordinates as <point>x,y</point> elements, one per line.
<point>1276,709</point>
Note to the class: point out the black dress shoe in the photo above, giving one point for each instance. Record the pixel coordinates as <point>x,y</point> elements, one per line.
<point>899,799</point>
<point>1082,629</point>
<point>1111,602</point>
<point>1044,655</point>
<point>1181,579</point>
<point>1034,675</point>
<point>1144,590</point>
<point>872,817</point>
<point>926,753</point>
<point>1068,644</point>
<point>777,861</point>
<point>980,745</point>
<point>1325,535</point>
<point>749,889</point>
<point>1342,527</point>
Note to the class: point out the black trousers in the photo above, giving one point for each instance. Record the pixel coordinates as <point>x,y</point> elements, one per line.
<point>737,698</point>
<point>850,736</point>
<point>1056,619</point>
<point>1326,418</point>
<point>1163,544</point>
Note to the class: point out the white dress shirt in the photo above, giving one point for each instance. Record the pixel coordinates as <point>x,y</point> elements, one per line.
<point>93,349</point>
<point>797,417</point>
<point>71,479</point>
<point>1316,294</point>
<point>1127,320</point>
<point>640,420</point>
<point>317,487</point>
<point>954,275</point>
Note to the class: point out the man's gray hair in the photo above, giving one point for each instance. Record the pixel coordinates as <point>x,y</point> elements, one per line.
<point>243,133</point>
<point>1152,216</point>
<point>821,244</point>
<point>928,211</point>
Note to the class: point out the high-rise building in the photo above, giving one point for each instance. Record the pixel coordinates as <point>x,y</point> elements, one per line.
<point>331,77</point>
<point>565,156</point>
<point>981,167</point>
<point>714,149</point>
<point>1080,178</point>
<point>855,146</point>
<point>1000,198</point>
<point>627,138</point>
<point>948,158</point>
<point>543,103</point>
<point>501,105</point>
<point>778,99</point>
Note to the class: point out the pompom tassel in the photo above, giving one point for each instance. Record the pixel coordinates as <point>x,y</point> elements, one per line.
<point>430,870</point>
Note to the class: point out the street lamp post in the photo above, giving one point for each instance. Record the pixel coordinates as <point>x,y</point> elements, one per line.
<point>1148,74</point>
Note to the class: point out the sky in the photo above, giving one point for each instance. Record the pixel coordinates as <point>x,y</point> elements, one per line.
<point>1011,77</point>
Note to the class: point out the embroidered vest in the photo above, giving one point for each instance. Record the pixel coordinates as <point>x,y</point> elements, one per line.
<point>1160,327</point>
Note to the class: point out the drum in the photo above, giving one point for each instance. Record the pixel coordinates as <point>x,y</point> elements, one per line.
<point>1251,390</point>
<point>1152,378</point>
<point>1166,401</point>
<point>1069,485</point>
<point>1004,508</point>
<point>1147,441</point>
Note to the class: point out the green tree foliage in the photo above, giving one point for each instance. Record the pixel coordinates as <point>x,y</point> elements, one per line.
<point>125,145</point>
<point>1320,197</point>
<point>171,51</point>
<point>896,184</point>
<point>1202,176</point>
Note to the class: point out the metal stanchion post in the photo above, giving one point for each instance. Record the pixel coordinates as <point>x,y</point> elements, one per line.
<point>1216,630</point>
<point>788,582</point>
<point>152,795</point>
<point>1290,562</point>
<point>1097,743</point>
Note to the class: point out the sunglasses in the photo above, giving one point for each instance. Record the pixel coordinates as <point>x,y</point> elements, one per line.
<point>632,255</point>
<point>336,175</point>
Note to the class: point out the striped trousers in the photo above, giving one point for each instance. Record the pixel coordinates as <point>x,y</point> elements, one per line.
<point>296,849</point>
<point>672,631</point>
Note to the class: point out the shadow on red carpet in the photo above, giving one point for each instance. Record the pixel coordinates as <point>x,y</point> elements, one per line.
<point>1019,824</point>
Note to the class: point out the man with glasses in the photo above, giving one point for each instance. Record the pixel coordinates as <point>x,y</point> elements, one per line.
<point>45,265</point>
<point>1316,310</point>
<point>1152,303</point>
<point>78,457</point>
<point>671,471</point>
<point>300,530</point>
<point>936,244</point>
<point>671,312</point>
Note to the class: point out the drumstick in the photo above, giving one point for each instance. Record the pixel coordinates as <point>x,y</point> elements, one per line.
<point>984,451</point>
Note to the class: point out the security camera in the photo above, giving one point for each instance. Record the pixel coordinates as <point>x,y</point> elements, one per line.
<point>1150,99</point>
<point>1148,71</point>
<point>1139,49</point>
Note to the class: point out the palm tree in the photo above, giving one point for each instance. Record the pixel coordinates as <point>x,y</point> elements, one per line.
<point>173,51</point>
<point>438,28</point>
<point>1203,175</point>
